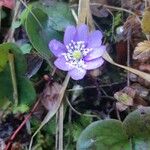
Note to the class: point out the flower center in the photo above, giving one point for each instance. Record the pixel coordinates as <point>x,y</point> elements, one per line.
<point>76,51</point>
<point>77,54</point>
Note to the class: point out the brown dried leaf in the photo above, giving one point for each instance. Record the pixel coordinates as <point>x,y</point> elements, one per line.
<point>135,95</point>
<point>134,5</point>
<point>48,99</point>
<point>120,106</point>
<point>141,91</point>
<point>140,102</point>
<point>99,11</point>
<point>132,29</point>
<point>146,21</point>
<point>50,95</point>
<point>125,96</point>
<point>145,68</point>
<point>142,51</point>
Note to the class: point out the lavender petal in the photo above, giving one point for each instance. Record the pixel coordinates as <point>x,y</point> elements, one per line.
<point>82,33</point>
<point>60,63</point>
<point>69,35</point>
<point>93,64</point>
<point>95,39</point>
<point>95,53</point>
<point>77,74</point>
<point>57,48</point>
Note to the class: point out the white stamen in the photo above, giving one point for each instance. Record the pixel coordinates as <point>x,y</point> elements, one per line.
<point>71,59</point>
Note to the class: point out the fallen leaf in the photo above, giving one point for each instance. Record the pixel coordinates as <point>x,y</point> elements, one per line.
<point>142,51</point>
<point>124,98</point>
<point>121,106</point>
<point>50,95</point>
<point>146,21</point>
<point>141,91</point>
<point>99,11</point>
<point>132,30</point>
<point>145,68</point>
<point>136,6</point>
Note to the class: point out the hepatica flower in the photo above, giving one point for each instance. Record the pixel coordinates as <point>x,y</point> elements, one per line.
<point>80,51</point>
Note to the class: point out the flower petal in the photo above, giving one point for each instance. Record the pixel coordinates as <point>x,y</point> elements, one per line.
<point>95,39</point>
<point>77,74</point>
<point>61,64</point>
<point>56,47</point>
<point>93,64</point>
<point>69,35</point>
<point>82,33</point>
<point>96,53</point>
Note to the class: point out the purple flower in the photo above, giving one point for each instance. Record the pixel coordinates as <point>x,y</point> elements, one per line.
<point>80,52</point>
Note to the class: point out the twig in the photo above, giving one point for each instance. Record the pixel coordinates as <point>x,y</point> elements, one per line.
<point>109,7</point>
<point>21,125</point>
<point>86,115</point>
<point>56,132</point>
<point>112,7</point>
<point>13,76</point>
<point>118,115</point>
<point>59,130</point>
<point>60,124</point>
<point>128,62</point>
<point>15,16</point>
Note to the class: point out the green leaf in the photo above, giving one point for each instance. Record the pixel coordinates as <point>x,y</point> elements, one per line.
<point>39,32</point>
<point>26,90</point>
<point>26,48</point>
<point>137,125</point>
<point>3,58</point>
<point>21,108</point>
<point>106,134</point>
<point>141,144</point>
<point>24,14</point>
<point>20,61</point>
<point>59,14</point>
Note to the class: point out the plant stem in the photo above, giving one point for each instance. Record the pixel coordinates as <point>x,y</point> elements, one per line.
<point>21,125</point>
<point>60,124</point>
<point>11,56</point>
<point>13,76</point>
<point>15,16</point>
<point>128,62</point>
<point>60,114</point>
<point>51,113</point>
